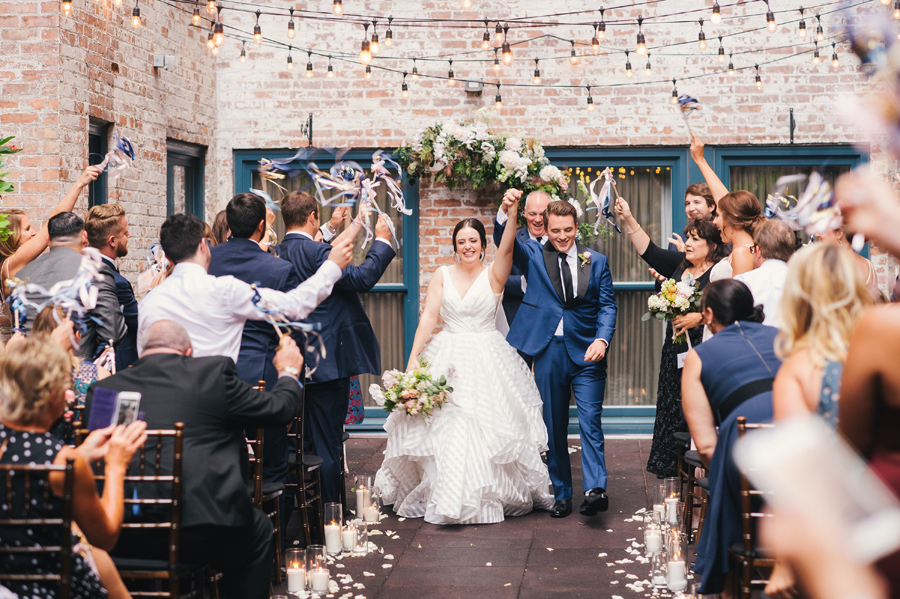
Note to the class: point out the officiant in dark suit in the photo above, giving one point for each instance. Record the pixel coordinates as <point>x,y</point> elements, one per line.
<point>243,258</point>
<point>219,525</point>
<point>514,290</point>
<point>346,346</point>
<point>566,321</point>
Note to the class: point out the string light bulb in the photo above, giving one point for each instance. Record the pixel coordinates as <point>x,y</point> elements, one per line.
<point>507,51</point>
<point>674,92</point>
<point>897,10</point>
<point>601,26</point>
<point>290,60</point>
<point>219,32</point>
<point>573,57</point>
<point>716,17</point>
<point>802,26</point>
<point>67,7</point>
<point>885,2</point>
<point>211,7</point>
<point>498,101</point>
<point>451,80</point>
<point>195,18</point>
<point>496,61</point>
<point>404,88</point>
<point>337,8</point>
<point>309,69</point>
<point>835,62</point>
<point>641,42</point>
<point>330,72</point>
<point>537,73</point>
<point>701,37</point>
<point>770,18</point>
<point>595,41</point>
<point>374,47</point>
<point>257,30</point>
<point>291,32</point>
<point>215,50</point>
<point>210,40</point>
<point>368,72</point>
<point>136,15</point>
<point>590,100</point>
<point>243,52</point>
<point>730,67</point>
<point>648,70</point>
<point>466,4</point>
<point>758,80</point>
<point>816,57</point>
<point>820,33</point>
<point>628,72</point>
<point>117,2</point>
<point>486,37</point>
<point>389,34</point>
<point>498,33</point>
<point>365,49</point>
<point>721,51</point>
<point>415,71</point>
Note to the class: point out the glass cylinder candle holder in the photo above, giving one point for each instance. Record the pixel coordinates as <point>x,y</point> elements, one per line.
<point>363,493</point>
<point>676,567</point>
<point>658,570</point>
<point>653,536</point>
<point>362,539</point>
<point>658,497</point>
<point>372,510</point>
<point>348,536</point>
<point>319,581</point>
<point>316,556</point>
<point>673,487</point>
<point>333,519</point>
<point>295,563</point>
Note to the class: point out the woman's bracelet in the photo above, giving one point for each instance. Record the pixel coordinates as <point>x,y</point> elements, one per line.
<point>633,232</point>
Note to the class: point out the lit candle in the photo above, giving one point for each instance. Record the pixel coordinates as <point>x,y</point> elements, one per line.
<point>320,580</point>
<point>296,578</point>
<point>333,538</point>
<point>676,576</point>
<point>371,513</point>
<point>348,538</point>
<point>672,510</point>
<point>653,541</point>
<point>363,498</point>
<point>660,509</point>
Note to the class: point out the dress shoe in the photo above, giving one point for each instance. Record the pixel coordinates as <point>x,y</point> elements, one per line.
<point>595,501</point>
<point>561,508</point>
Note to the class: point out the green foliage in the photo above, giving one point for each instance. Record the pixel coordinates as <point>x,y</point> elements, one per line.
<point>5,186</point>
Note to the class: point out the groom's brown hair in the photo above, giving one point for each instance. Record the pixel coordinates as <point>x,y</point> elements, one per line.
<point>560,208</point>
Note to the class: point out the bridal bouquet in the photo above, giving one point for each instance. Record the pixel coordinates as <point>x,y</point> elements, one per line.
<point>675,298</point>
<point>417,392</point>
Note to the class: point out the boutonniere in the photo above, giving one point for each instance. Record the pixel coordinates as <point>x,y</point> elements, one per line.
<point>585,258</point>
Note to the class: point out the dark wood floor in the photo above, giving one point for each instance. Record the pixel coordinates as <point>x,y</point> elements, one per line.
<point>528,557</point>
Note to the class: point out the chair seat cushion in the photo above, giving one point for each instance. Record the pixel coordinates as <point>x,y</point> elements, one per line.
<point>682,438</point>
<point>703,483</point>
<point>692,457</point>
<point>132,564</point>
<point>310,461</point>
<point>272,489</point>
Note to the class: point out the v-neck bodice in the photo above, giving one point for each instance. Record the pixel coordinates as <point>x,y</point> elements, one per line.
<point>476,312</point>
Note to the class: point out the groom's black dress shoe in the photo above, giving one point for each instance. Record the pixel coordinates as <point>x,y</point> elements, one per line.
<point>561,508</point>
<point>595,501</point>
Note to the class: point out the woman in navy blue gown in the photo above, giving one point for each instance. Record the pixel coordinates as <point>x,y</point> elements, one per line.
<point>727,376</point>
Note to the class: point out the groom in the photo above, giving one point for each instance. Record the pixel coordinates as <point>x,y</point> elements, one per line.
<point>566,322</point>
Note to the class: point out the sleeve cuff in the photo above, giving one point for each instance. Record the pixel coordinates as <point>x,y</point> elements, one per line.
<point>605,342</point>
<point>327,235</point>
<point>502,217</point>
<point>383,240</point>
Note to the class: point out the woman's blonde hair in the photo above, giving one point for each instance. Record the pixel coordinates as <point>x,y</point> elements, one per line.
<point>46,322</point>
<point>9,245</point>
<point>824,297</point>
<point>31,373</point>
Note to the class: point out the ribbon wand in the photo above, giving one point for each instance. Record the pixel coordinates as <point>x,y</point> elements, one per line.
<point>278,330</point>
<point>687,105</point>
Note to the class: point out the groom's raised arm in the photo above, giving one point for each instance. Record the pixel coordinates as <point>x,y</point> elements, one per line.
<point>606,315</point>
<point>521,251</point>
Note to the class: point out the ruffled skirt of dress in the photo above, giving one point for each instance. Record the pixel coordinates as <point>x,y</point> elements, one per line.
<point>478,458</point>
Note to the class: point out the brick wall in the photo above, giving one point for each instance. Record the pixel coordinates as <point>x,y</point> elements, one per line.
<point>56,73</point>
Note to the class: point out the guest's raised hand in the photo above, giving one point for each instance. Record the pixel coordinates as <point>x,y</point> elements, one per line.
<point>622,209</point>
<point>869,205</point>
<point>96,444</point>
<point>677,242</point>
<point>657,276</point>
<point>510,198</point>
<point>124,442</point>
<point>342,251</point>
<point>697,148</point>
<point>382,228</point>
<point>88,175</point>
<point>339,217</point>
<point>596,351</point>
<point>288,355</point>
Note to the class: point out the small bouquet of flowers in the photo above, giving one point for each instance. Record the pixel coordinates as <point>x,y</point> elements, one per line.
<point>675,298</point>
<point>417,392</point>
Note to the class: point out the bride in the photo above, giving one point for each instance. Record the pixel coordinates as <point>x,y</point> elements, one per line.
<point>479,457</point>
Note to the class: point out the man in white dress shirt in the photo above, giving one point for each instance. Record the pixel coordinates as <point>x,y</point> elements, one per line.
<point>213,309</point>
<point>774,244</point>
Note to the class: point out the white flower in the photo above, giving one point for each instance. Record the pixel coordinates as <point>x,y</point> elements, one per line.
<point>422,386</point>
<point>681,303</point>
<point>376,393</point>
<point>488,149</point>
<point>550,173</point>
<point>578,209</point>
<point>684,290</point>
<point>514,144</point>
<point>389,378</point>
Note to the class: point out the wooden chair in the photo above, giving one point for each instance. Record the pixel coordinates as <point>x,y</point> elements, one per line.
<point>748,560</point>
<point>307,469</point>
<point>32,517</point>
<point>266,495</point>
<point>688,463</point>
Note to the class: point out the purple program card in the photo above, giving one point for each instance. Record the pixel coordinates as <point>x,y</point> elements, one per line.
<point>103,408</point>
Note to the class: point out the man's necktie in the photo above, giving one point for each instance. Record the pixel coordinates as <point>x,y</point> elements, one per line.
<point>566,277</point>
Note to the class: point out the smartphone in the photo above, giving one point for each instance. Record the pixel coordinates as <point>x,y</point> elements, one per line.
<point>808,471</point>
<point>128,405</point>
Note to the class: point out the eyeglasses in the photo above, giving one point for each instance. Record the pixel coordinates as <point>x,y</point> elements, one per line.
<point>754,249</point>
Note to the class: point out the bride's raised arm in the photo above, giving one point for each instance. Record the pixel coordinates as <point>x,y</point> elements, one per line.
<point>430,316</point>
<point>503,259</point>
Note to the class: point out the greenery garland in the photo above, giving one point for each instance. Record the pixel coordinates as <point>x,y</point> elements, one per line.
<point>5,186</point>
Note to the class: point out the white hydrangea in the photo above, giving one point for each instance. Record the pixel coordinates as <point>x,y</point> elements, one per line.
<point>681,303</point>
<point>514,144</point>
<point>376,393</point>
<point>684,289</point>
<point>578,209</point>
<point>550,173</point>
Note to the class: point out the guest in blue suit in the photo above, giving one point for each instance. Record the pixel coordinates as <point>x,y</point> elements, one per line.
<point>243,258</point>
<point>107,231</point>
<point>566,321</point>
<point>349,343</point>
<point>514,290</point>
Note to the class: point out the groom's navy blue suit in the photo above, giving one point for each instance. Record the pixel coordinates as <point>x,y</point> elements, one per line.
<point>559,363</point>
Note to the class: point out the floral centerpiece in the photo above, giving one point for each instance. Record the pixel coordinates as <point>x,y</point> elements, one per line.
<point>674,299</point>
<point>417,392</point>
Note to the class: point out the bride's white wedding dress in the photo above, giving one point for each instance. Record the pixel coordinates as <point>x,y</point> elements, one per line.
<point>479,457</point>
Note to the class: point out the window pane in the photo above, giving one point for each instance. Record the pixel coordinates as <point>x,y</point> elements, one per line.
<point>634,353</point>
<point>178,188</point>
<point>760,180</point>
<point>385,311</point>
<point>394,272</point>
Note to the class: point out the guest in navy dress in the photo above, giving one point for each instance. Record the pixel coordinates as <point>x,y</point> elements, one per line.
<point>727,376</point>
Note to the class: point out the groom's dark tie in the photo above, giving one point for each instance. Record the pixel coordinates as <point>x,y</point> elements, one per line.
<point>566,276</point>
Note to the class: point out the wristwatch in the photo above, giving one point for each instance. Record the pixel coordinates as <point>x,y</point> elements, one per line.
<point>290,370</point>
<point>331,229</point>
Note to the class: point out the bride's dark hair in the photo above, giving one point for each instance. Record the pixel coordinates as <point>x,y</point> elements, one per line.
<point>472,223</point>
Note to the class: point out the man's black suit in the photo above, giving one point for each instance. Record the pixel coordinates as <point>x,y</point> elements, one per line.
<point>219,525</point>
<point>351,348</point>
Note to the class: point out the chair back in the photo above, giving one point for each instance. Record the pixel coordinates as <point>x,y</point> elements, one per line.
<point>27,512</point>
<point>750,497</point>
<point>295,432</point>
<point>256,461</point>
